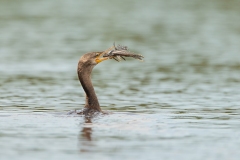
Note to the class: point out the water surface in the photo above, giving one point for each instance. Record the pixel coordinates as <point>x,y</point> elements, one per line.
<point>182,102</point>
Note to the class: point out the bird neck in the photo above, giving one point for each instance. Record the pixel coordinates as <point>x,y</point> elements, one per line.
<point>84,75</point>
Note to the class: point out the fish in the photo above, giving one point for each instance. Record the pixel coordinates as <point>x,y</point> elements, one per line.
<point>119,52</point>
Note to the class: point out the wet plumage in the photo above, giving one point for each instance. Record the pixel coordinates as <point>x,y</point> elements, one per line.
<point>85,66</point>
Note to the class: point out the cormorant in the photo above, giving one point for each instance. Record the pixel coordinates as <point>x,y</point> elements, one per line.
<point>85,66</point>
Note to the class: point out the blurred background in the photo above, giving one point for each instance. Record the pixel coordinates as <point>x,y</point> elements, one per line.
<point>185,90</point>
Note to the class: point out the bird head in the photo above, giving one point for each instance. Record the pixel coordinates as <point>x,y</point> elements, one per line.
<point>92,58</point>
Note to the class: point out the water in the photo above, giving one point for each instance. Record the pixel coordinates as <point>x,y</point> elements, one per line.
<point>182,102</point>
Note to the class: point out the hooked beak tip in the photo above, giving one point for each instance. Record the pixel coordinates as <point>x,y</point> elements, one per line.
<point>99,59</point>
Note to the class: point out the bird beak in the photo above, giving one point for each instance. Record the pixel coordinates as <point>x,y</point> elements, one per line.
<point>100,59</point>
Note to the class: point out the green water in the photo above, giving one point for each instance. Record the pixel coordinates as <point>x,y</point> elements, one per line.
<point>182,102</point>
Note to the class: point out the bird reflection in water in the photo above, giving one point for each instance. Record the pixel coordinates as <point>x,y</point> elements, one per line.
<point>87,131</point>
<point>85,136</point>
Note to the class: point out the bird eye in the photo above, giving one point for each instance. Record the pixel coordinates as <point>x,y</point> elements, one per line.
<point>97,54</point>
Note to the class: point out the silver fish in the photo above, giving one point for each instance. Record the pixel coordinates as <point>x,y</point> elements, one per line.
<point>119,52</point>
